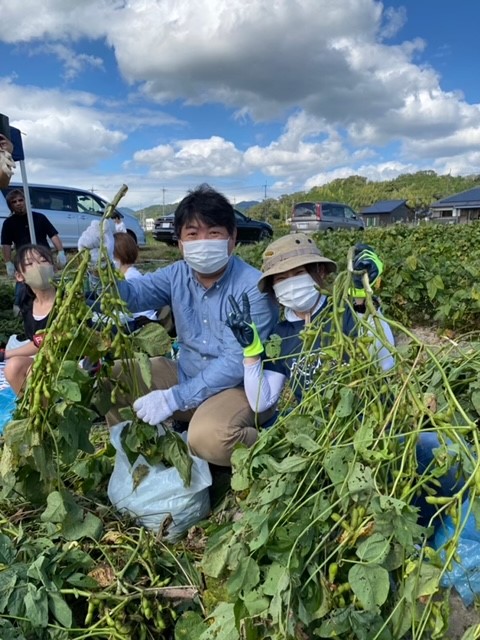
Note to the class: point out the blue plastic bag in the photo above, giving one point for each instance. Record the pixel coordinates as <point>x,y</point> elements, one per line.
<point>465,574</point>
<point>7,406</point>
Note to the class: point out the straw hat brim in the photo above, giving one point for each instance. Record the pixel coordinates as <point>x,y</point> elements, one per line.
<point>292,263</point>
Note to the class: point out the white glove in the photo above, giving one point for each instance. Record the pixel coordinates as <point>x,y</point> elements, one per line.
<point>10,269</point>
<point>7,165</point>
<point>91,238</point>
<point>61,258</point>
<point>156,406</point>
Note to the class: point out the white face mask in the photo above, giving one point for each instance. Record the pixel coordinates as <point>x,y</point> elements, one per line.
<point>39,276</point>
<point>298,293</point>
<point>206,256</point>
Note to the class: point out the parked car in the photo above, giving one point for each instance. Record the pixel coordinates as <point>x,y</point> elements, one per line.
<point>70,211</point>
<point>248,230</point>
<point>323,216</point>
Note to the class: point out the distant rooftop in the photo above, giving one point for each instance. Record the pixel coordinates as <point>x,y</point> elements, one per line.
<point>469,198</point>
<point>384,206</point>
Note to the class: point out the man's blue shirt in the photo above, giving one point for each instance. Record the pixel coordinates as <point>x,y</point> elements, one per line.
<point>210,358</point>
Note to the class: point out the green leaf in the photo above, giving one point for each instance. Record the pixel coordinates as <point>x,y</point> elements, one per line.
<point>190,626</point>
<point>476,400</point>
<point>216,556</point>
<point>290,464</point>
<point>360,479</point>
<point>370,583</point>
<point>303,441</point>
<point>471,633</point>
<point>7,550</point>
<point>223,623</point>
<point>336,625</point>
<point>36,606</point>
<point>424,581</point>
<point>345,405</point>
<point>244,578</point>
<point>60,609</point>
<point>374,549</point>
<point>56,510</point>
<point>68,389</point>
<point>276,580</point>
<point>175,453</point>
<point>363,437</point>
<point>38,570</point>
<point>8,580</point>
<point>337,463</point>
<point>152,339</point>
<point>145,367</point>
<point>82,581</point>
<point>255,602</point>
<point>89,527</point>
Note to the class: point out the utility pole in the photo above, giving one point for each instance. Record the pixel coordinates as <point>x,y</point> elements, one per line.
<point>163,209</point>
<point>265,186</point>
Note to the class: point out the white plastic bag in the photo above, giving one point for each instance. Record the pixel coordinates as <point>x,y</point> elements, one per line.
<point>161,493</point>
<point>14,342</point>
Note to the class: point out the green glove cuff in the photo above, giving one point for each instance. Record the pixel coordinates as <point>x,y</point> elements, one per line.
<point>256,347</point>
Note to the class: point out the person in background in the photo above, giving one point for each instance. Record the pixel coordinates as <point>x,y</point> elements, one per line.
<point>34,268</point>
<point>204,385</point>
<point>15,231</point>
<point>7,165</point>
<point>125,254</point>
<point>119,223</point>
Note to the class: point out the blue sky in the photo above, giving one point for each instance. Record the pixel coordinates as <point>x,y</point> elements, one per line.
<point>255,98</point>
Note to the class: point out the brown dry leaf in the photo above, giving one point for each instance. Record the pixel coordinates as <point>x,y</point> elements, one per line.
<point>103,574</point>
<point>113,537</point>
<point>430,402</point>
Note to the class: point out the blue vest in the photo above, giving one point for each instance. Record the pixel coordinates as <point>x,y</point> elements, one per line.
<point>295,361</point>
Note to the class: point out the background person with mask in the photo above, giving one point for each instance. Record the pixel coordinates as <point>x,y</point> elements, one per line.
<point>16,232</point>
<point>204,385</point>
<point>34,268</point>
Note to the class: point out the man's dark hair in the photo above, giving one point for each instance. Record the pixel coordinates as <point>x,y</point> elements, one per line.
<point>206,205</point>
<point>12,194</point>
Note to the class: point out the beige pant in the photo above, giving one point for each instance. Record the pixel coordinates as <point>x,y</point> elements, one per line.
<point>214,427</point>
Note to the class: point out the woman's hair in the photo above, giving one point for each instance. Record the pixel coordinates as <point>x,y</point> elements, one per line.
<point>125,248</point>
<point>22,255</point>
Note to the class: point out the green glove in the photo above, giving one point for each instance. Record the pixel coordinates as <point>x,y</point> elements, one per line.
<point>244,330</point>
<point>365,260</point>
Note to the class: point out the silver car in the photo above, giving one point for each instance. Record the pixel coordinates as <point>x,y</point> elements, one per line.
<point>308,217</point>
<point>69,210</point>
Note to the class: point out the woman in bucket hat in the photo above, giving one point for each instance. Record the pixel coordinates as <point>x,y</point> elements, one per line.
<point>293,271</point>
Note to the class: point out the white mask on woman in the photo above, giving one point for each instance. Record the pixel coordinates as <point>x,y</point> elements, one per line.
<point>39,276</point>
<point>299,293</point>
<point>206,256</point>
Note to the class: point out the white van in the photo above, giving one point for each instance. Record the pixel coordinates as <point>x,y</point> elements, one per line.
<point>69,210</point>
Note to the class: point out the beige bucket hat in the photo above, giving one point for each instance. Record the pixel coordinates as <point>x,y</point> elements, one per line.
<point>288,252</point>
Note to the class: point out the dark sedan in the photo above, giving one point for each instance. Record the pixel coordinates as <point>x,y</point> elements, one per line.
<point>248,230</point>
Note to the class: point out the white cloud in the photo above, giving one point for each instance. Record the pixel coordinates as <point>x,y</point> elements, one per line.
<point>74,63</point>
<point>326,67</point>
<point>206,157</point>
